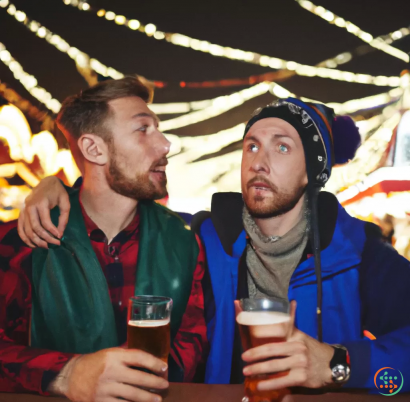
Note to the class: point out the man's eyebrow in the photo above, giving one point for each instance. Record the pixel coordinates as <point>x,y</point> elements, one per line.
<point>253,138</point>
<point>282,136</point>
<point>153,116</point>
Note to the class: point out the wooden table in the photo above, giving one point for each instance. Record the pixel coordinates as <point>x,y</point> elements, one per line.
<point>223,393</point>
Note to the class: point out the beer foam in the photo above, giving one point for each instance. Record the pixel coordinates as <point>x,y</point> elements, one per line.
<point>148,323</point>
<point>251,318</point>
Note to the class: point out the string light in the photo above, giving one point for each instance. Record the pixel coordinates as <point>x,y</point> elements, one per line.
<point>110,16</point>
<point>150,29</point>
<point>218,106</point>
<point>252,57</point>
<point>28,81</point>
<point>170,108</point>
<point>120,20</point>
<point>368,102</point>
<point>82,59</point>
<point>20,16</point>
<point>180,107</point>
<point>378,43</point>
<point>281,75</point>
<point>134,24</point>
<point>11,9</point>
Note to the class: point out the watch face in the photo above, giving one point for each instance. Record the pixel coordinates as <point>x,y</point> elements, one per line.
<point>340,373</point>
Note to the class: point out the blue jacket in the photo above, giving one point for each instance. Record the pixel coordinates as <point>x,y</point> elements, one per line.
<point>366,286</point>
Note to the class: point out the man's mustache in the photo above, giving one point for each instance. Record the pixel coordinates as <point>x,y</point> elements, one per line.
<point>261,179</point>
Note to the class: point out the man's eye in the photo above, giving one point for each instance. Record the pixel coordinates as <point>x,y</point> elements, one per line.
<point>283,148</point>
<point>253,148</point>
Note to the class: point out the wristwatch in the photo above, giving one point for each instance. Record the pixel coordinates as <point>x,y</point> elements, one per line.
<point>340,364</point>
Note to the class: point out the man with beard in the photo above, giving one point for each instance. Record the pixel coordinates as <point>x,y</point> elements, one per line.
<point>69,300</point>
<point>282,238</point>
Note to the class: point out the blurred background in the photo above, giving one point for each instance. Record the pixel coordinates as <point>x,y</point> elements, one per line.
<point>211,64</point>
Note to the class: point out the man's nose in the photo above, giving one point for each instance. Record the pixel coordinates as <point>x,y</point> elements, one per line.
<point>164,145</point>
<point>260,163</point>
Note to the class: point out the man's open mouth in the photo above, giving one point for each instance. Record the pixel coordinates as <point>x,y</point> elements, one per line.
<point>159,169</point>
<point>261,186</point>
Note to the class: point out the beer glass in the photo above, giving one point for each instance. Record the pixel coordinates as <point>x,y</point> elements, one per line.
<point>149,325</point>
<point>263,321</point>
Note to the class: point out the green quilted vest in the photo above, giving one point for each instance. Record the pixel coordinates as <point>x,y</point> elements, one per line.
<point>71,306</point>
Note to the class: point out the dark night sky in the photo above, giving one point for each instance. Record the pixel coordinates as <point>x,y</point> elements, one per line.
<point>279,28</point>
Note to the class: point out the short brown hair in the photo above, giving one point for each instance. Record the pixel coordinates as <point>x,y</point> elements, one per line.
<point>87,112</point>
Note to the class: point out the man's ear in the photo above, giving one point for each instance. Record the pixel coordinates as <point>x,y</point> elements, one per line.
<point>93,148</point>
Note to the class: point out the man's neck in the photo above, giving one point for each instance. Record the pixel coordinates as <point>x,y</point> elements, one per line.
<point>110,211</point>
<point>280,225</point>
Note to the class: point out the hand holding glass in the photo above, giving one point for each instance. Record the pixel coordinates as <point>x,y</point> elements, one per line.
<point>262,321</point>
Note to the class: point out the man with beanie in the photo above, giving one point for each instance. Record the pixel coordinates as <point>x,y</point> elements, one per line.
<point>283,238</point>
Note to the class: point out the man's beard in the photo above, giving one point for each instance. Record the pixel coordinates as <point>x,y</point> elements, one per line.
<point>270,207</point>
<point>138,188</point>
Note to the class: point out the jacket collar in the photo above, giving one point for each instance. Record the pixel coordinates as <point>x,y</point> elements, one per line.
<point>226,215</point>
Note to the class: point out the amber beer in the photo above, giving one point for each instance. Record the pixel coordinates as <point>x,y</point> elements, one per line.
<point>151,336</point>
<point>149,325</point>
<point>259,327</point>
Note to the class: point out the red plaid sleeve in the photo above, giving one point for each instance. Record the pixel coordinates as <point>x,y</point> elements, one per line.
<point>22,368</point>
<point>190,345</point>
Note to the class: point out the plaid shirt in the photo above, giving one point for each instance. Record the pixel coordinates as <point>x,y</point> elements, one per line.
<point>26,369</point>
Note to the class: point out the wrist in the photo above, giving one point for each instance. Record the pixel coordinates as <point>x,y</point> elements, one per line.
<point>327,355</point>
<point>59,386</point>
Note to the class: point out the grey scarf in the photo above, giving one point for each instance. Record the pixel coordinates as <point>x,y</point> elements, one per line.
<point>272,260</point>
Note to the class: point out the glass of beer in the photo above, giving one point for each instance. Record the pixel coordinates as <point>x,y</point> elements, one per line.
<point>263,321</point>
<point>149,325</point>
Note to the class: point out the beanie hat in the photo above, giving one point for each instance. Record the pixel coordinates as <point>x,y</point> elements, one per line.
<point>327,140</point>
